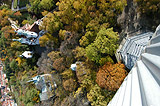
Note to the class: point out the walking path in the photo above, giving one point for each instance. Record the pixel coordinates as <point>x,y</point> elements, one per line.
<point>17,9</point>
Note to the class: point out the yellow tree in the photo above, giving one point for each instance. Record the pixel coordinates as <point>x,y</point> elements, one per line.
<point>46,38</point>
<point>51,23</point>
<point>4,15</point>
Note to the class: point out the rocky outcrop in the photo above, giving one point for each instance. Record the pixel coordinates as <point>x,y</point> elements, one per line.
<point>132,22</point>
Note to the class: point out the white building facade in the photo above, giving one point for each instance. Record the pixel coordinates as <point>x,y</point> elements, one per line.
<point>142,85</point>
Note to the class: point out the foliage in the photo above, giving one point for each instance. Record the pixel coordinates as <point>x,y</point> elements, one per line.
<point>149,7</point>
<point>68,74</point>
<point>31,19</point>
<point>37,6</point>
<point>3,42</point>
<point>13,80</point>
<point>34,6</point>
<point>95,97</point>
<point>62,34</point>
<point>15,4</point>
<point>18,14</point>
<point>59,64</point>
<point>80,54</point>
<point>77,99</point>
<point>76,14</point>
<point>4,15</point>
<point>13,65</point>
<point>85,76</point>
<point>82,72</point>
<point>70,42</point>
<point>15,44</point>
<point>47,4</point>
<point>51,23</point>
<point>61,93</point>
<point>44,40</point>
<point>104,46</point>
<point>23,3</point>
<point>78,30</point>
<point>7,31</point>
<point>31,96</point>
<point>20,61</point>
<point>54,55</point>
<point>24,22</point>
<point>110,76</point>
<point>70,84</point>
<point>4,6</point>
<point>92,28</point>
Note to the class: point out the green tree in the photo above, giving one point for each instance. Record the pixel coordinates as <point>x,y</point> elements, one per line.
<point>149,7</point>
<point>13,80</point>
<point>47,4</point>
<point>38,6</point>
<point>30,95</point>
<point>92,28</point>
<point>13,65</point>
<point>103,47</point>
<point>34,6</point>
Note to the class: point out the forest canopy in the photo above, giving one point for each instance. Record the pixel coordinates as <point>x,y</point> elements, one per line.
<point>84,32</point>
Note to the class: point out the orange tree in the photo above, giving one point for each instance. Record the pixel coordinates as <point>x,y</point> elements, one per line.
<point>110,76</point>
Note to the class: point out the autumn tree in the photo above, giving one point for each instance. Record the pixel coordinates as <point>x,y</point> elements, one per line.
<point>70,84</point>
<point>67,74</point>
<point>80,53</point>
<point>16,16</point>
<point>53,55</point>
<point>82,72</point>
<point>4,15</point>
<point>77,98</point>
<point>62,34</point>
<point>76,14</point>
<point>51,23</point>
<point>48,39</point>
<point>85,76</point>
<point>59,64</point>
<point>110,76</point>
<point>8,32</point>
<point>103,47</point>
